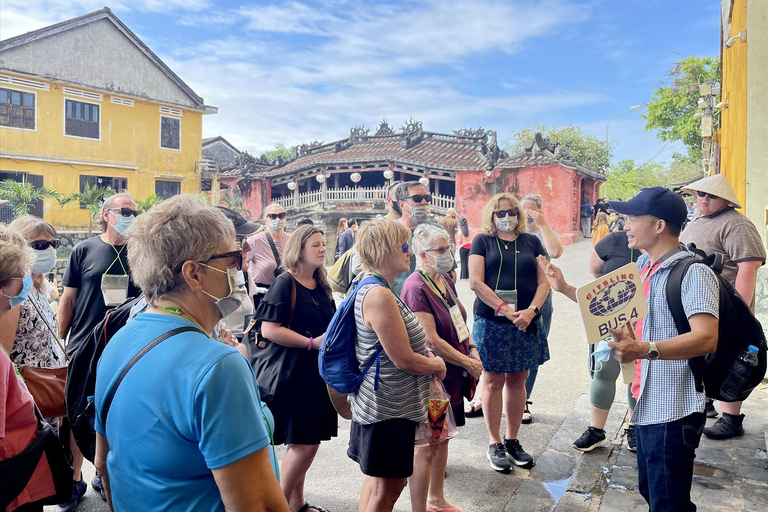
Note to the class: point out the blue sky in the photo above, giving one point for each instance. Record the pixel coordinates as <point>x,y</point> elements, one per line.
<point>296,71</point>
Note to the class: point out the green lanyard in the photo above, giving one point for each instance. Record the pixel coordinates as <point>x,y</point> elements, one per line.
<point>501,255</point>
<point>177,311</point>
<point>12,363</point>
<point>385,283</point>
<point>435,289</point>
<point>117,259</point>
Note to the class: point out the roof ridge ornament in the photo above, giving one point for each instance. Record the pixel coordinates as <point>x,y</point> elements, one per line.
<point>412,128</point>
<point>384,129</point>
<point>471,133</point>
<point>358,133</point>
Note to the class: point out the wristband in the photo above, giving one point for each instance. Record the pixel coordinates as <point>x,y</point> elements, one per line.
<point>500,306</point>
<point>311,342</point>
<point>473,347</point>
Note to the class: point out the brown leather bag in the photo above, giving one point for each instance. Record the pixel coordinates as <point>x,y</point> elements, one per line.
<point>47,385</point>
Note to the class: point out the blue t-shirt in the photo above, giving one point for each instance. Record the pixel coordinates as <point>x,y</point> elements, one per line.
<point>190,405</point>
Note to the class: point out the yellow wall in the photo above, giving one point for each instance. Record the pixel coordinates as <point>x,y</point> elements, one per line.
<point>130,136</point>
<point>733,130</point>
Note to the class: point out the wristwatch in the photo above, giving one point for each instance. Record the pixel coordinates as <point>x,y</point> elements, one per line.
<point>653,351</point>
<point>535,309</point>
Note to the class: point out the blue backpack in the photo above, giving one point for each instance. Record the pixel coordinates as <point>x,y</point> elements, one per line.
<point>338,363</point>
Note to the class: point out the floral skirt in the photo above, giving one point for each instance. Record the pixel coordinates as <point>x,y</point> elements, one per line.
<point>504,348</point>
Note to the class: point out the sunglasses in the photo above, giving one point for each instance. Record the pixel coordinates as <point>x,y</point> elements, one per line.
<point>273,216</point>
<point>41,245</point>
<point>512,212</point>
<point>704,194</point>
<point>124,212</point>
<point>442,250</point>
<point>238,255</point>
<point>418,198</point>
<point>405,247</point>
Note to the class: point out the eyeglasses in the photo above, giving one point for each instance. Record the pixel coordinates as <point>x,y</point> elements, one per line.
<point>41,245</point>
<point>512,212</point>
<point>238,255</point>
<point>125,212</point>
<point>704,194</point>
<point>418,198</point>
<point>273,216</point>
<point>442,250</point>
<point>405,247</point>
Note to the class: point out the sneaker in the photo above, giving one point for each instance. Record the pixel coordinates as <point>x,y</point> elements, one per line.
<point>590,439</point>
<point>726,427</point>
<point>631,438</point>
<point>710,409</point>
<point>98,486</point>
<point>497,456</point>
<point>78,491</point>
<point>516,454</point>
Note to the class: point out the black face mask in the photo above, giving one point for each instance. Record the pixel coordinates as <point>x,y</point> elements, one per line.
<point>396,208</point>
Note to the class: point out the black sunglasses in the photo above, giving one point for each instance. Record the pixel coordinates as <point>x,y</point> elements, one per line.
<point>41,245</point>
<point>273,216</point>
<point>512,212</point>
<point>125,212</point>
<point>704,194</point>
<point>420,197</point>
<point>238,255</point>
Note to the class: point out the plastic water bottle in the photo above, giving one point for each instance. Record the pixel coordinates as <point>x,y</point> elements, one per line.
<point>740,372</point>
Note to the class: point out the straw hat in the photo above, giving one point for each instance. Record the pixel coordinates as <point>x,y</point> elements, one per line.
<point>716,185</point>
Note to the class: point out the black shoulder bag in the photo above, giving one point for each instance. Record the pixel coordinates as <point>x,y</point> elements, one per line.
<point>278,269</point>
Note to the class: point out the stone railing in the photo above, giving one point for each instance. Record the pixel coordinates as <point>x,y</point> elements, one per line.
<point>440,204</point>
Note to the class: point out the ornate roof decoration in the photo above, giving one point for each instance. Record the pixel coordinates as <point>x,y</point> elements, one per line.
<point>384,129</point>
<point>358,133</point>
<point>303,149</point>
<point>471,133</point>
<point>544,151</point>
<point>412,127</point>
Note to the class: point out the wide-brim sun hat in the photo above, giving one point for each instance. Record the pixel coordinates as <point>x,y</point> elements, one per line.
<point>715,185</point>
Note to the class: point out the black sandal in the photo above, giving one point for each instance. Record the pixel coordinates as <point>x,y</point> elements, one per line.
<point>474,410</point>
<point>307,506</point>
<point>529,419</point>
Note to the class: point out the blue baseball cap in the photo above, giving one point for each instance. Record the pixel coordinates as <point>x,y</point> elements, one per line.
<point>657,201</point>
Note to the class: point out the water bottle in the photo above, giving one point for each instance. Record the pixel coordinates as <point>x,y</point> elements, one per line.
<point>740,372</point>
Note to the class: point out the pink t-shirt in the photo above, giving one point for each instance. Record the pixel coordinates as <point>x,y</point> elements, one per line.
<point>260,259</point>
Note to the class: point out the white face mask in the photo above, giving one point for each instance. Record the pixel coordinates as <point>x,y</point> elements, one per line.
<point>443,263</point>
<point>419,214</point>
<point>276,225</point>
<point>237,291</point>
<point>506,224</point>
<point>45,260</point>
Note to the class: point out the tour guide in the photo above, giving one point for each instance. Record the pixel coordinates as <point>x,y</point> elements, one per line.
<point>669,417</point>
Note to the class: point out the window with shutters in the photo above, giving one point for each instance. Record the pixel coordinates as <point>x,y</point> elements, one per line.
<point>116,184</point>
<point>17,109</point>
<point>170,132</point>
<point>82,119</point>
<point>166,189</point>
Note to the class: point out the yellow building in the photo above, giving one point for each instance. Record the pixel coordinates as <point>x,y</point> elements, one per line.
<point>85,101</point>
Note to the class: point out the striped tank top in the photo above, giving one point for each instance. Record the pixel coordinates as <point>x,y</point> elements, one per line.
<point>400,394</point>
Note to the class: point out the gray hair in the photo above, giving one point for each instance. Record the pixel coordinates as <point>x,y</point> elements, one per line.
<point>402,190</point>
<point>426,236</point>
<point>536,198</point>
<point>107,204</point>
<point>182,228</point>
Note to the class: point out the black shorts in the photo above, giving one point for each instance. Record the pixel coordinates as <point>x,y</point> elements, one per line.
<point>383,449</point>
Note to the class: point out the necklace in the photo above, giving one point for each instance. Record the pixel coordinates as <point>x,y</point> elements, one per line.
<point>505,243</point>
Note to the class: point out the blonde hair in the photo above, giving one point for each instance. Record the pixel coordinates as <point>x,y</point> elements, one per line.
<point>292,255</point>
<point>271,208</point>
<point>108,202</point>
<point>15,255</point>
<point>488,222</point>
<point>182,228</point>
<point>378,240</point>
<point>602,218</point>
<point>31,227</point>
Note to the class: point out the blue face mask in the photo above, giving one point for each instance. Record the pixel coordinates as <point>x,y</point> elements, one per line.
<point>601,353</point>
<point>45,260</point>
<point>25,289</point>
<point>123,223</point>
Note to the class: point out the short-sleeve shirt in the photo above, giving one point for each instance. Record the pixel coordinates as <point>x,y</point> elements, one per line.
<point>500,268</point>
<point>538,234</point>
<point>615,252</point>
<point>34,344</point>
<point>729,233</point>
<point>419,297</point>
<point>261,260</point>
<point>450,225</point>
<point>88,261</point>
<point>189,406</point>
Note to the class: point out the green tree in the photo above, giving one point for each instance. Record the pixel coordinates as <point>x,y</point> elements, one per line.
<point>235,203</point>
<point>585,148</point>
<point>673,105</point>
<point>148,203</point>
<point>92,197</point>
<point>626,177</point>
<point>280,150</point>
<point>23,195</point>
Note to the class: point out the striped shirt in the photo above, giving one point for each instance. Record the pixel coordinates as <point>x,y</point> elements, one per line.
<point>667,388</point>
<point>400,394</point>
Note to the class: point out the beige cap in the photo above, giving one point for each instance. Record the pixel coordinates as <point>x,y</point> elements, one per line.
<point>716,185</point>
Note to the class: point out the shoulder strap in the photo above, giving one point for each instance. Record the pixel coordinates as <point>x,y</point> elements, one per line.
<point>274,249</point>
<point>293,294</point>
<point>152,344</point>
<point>674,293</point>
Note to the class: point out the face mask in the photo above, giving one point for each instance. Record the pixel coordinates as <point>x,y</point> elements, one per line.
<point>237,292</point>
<point>45,260</point>
<point>396,207</point>
<point>601,354</point>
<point>25,289</point>
<point>443,263</point>
<point>529,219</point>
<point>506,224</point>
<point>276,225</point>
<point>419,214</point>
<point>123,223</point>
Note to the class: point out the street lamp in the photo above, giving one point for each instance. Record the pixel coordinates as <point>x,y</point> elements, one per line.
<point>634,108</point>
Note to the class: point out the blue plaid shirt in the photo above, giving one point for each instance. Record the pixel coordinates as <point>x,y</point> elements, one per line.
<point>668,389</point>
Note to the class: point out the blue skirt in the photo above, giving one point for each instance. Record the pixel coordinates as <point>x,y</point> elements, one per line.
<point>504,348</point>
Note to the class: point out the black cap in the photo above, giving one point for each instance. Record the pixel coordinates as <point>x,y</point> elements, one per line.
<point>657,201</point>
<point>242,226</point>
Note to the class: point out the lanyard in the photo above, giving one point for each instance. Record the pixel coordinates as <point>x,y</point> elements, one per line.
<point>435,289</point>
<point>117,258</point>
<point>177,311</point>
<point>384,281</point>
<point>501,255</point>
<point>12,363</point>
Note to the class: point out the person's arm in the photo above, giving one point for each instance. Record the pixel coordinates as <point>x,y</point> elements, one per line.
<point>383,316</point>
<point>444,349</point>
<point>9,323</point>
<point>477,284</point>
<point>556,279</point>
<point>523,318</point>
<point>595,263</point>
<point>701,340</point>
<point>746,278</point>
<point>236,485</point>
<point>66,311</point>
<point>282,335</point>
<point>551,243</point>
<point>100,462</point>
